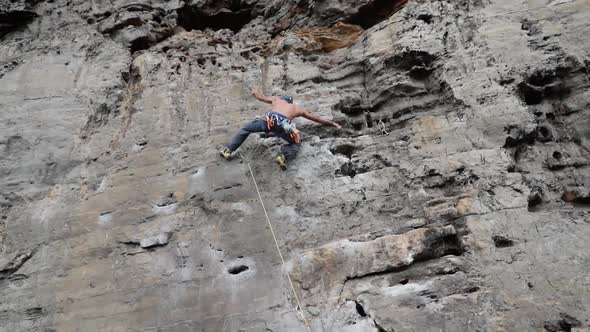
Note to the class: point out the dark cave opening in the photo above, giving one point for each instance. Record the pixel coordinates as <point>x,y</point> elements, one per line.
<point>139,44</point>
<point>446,245</point>
<point>232,16</point>
<point>581,202</point>
<point>375,12</point>
<point>530,94</point>
<point>12,20</point>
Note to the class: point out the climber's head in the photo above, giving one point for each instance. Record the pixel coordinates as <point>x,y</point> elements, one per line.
<point>288,99</point>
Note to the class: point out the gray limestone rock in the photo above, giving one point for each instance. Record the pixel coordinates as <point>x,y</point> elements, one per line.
<point>156,240</point>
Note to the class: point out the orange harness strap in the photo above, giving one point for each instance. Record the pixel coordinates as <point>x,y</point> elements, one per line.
<point>270,122</point>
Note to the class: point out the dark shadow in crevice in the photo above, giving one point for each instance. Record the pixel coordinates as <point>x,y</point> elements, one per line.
<point>545,84</point>
<point>426,18</point>
<point>379,328</point>
<point>369,120</point>
<point>351,106</point>
<point>375,12</point>
<point>347,169</point>
<point>565,323</point>
<point>411,59</point>
<point>442,246</point>
<point>346,150</point>
<point>139,44</point>
<point>581,202</point>
<point>11,20</point>
<point>535,199</point>
<point>544,134</point>
<point>360,310</point>
<point>234,17</point>
<point>530,94</point>
<point>518,138</point>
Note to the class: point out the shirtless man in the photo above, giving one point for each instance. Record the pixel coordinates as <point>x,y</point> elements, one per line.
<point>277,122</point>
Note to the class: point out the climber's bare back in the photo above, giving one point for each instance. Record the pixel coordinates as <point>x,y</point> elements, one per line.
<point>283,107</point>
<point>291,111</point>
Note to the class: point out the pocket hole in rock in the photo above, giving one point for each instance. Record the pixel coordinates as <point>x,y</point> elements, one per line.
<point>531,95</point>
<point>502,241</point>
<point>360,310</point>
<point>544,134</point>
<point>238,269</point>
<point>535,198</point>
<point>427,18</point>
<point>346,150</point>
<point>347,169</point>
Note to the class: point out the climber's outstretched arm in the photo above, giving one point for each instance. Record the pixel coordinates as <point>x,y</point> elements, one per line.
<point>262,97</point>
<point>317,119</point>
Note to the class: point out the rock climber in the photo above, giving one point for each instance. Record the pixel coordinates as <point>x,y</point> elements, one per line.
<point>276,123</point>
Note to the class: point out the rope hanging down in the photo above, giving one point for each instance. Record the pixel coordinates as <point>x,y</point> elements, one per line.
<point>299,308</point>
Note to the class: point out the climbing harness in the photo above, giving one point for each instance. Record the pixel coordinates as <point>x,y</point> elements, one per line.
<point>270,123</point>
<point>273,119</point>
<point>299,308</point>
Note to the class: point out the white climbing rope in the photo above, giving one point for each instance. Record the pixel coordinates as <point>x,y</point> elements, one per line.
<point>299,308</point>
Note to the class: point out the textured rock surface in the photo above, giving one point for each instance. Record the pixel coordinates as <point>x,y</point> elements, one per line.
<point>456,198</point>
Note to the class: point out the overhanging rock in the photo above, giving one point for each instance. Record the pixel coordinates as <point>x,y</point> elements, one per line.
<point>335,262</point>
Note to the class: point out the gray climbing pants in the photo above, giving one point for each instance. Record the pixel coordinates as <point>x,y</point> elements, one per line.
<point>289,150</point>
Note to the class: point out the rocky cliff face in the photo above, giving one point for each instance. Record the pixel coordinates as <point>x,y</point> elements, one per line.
<point>456,198</point>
